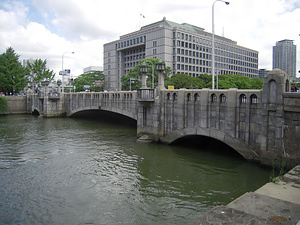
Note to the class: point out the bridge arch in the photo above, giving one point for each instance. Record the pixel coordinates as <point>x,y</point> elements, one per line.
<point>238,145</point>
<point>106,116</point>
<point>35,112</point>
<point>115,110</point>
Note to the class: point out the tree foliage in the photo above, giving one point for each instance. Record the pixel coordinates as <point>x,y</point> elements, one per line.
<point>135,75</point>
<point>12,74</point>
<point>38,72</point>
<point>89,79</point>
<point>239,81</point>
<point>205,81</point>
<point>184,81</point>
<point>3,105</point>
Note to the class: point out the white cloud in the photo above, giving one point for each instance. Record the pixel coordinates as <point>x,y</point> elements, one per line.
<point>46,29</point>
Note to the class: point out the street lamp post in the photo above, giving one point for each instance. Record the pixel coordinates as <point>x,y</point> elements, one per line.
<point>62,69</point>
<point>213,42</point>
<point>144,70</point>
<point>160,68</point>
<point>130,81</point>
<point>152,74</point>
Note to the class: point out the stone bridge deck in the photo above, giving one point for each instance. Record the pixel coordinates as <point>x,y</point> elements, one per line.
<point>124,103</point>
<point>261,125</point>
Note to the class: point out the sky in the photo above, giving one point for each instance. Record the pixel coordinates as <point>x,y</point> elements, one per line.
<point>52,29</point>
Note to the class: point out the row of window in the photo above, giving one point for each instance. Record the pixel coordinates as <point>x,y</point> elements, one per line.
<point>232,68</point>
<point>194,68</point>
<point>207,42</point>
<point>217,59</point>
<point>134,51</point>
<point>205,49</point>
<point>131,42</point>
<point>191,38</point>
<point>134,57</point>
<point>205,70</point>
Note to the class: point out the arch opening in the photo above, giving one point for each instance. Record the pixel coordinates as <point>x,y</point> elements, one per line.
<point>207,144</point>
<point>105,117</point>
<point>35,113</point>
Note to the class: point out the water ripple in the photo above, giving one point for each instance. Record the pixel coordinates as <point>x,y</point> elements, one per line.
<point>64,171</point>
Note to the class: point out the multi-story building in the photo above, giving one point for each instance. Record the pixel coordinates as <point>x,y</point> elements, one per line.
<point>284,57</point>
<point>262,73</point>
<point>92,69</point>
<point>26,61</point>
<point>185,48</point>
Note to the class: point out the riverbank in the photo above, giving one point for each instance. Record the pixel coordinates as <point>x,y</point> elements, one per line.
<point>273,203</point>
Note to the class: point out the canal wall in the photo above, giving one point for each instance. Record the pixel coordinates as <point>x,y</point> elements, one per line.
<point>273,203</point>
<point>17,105</point>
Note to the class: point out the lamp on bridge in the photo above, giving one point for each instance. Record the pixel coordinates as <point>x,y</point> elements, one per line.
<point>58,82</point>
<point>160,67</point>
<point>213,42</point>
<point>62,69</point>
<point>144,70</point>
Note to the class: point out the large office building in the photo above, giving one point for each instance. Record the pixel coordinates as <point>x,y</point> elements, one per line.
<point>92,69</point>
<point>284,57</point>
<point>185,48</point>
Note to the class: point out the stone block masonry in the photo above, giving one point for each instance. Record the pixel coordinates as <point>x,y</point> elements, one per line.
<point>261,125</point>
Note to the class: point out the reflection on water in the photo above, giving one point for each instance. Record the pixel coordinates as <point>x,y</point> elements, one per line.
<point>74,171</point>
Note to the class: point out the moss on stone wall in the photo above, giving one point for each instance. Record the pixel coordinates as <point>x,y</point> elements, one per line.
<point>3,105</point>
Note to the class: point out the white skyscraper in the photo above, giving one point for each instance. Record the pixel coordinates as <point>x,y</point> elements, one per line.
<point>284,57</point>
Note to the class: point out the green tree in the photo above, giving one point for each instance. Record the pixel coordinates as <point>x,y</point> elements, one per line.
<point>256,83</point>
<point>184,81</point>
<point>3,105</point>
<point>89,79</point>
<point>239,81</point>
<point>12,74</point>
<point>207,79</point>
<point>135,75</point>
<point>38,72</point>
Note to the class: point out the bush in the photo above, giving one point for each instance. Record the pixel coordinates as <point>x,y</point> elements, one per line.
<point>3,105</point>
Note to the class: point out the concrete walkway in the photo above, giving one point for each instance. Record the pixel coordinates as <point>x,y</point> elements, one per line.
<point>271,204</point>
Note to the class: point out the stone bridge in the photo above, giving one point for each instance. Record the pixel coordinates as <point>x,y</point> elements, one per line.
<point>262,125</point>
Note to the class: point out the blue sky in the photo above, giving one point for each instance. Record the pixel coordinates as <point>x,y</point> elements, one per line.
<point>47,28</point>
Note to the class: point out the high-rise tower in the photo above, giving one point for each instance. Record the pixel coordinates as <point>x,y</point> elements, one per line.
<point>284,57</point>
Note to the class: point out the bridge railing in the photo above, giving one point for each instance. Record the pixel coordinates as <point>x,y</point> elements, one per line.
<point>145,94</point>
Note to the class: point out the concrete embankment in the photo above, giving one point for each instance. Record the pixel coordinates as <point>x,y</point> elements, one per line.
<point>16,104</point>
<point>273,203</point>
